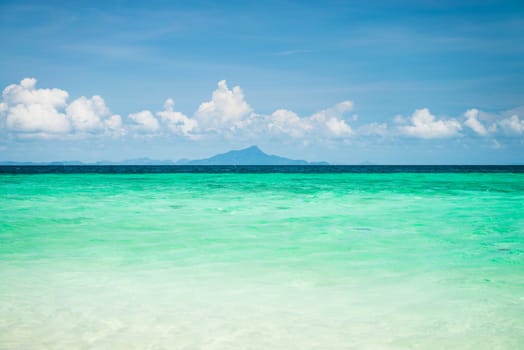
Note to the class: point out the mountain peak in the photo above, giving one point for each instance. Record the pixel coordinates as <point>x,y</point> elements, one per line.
<point>252,155</point>
<point>251,149</point>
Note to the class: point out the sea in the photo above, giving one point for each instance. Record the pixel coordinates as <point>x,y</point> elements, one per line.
<point>262,257</point>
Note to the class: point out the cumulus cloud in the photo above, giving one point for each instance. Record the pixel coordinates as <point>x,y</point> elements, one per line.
<point>27,111</point>
<point>513,125</point>
<point>36,111</point>
<point>330,120</point>
<point>114,124</point>
<point>86,113</point>
<point>226,109</point>
<point>31,111</point>
<point>46,112</point>
<point>338,127</point>
<point>36,118</point>
<point>229,113</point>
<point>325,123</point>
<point>26,93</point>
<point>422,124</point>
<point>91,115</point>
<point>177,122</point>
<point>489,124</point>
<point>144,122</point>
<point>286,122</point>
<point>473,123</point>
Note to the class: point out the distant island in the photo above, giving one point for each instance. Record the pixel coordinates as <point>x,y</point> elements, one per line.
<point>248,156</point>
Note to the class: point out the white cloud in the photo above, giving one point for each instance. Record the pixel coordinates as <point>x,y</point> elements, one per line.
<point>26,93</point>
<point>45,113</point>
<point>86,114</point>
<point>228,112</point>
<point>338,127</point>
<point>505,122</point>
<point>336,111</point>
<point>512,125</point>
<point>286,122</point>
<point>473,123</point>
<point>113,124</point>
<point>329,121</point>
<point>28,112</point>
<point>144,122</point>
<point>92,115</point>
<point>177,122</point>
<point>37,118</point>
<point>426,126</point>
<point>226,109</point>
<point>32,110</point>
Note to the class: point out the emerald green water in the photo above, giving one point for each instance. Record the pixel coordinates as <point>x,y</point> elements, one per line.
<point>262,261</point>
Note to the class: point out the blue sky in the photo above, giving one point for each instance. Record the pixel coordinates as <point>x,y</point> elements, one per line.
<point>343,81</point>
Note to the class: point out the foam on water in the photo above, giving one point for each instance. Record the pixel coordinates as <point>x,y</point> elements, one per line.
<point>258,261</point>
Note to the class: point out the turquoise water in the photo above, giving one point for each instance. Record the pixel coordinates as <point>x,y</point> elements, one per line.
<point>262,261</point>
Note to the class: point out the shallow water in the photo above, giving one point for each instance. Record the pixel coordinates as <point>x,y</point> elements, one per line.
<point>262,261</point>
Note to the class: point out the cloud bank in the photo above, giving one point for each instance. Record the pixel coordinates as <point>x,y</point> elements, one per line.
<point>45,113</point>
<point>30,112</point>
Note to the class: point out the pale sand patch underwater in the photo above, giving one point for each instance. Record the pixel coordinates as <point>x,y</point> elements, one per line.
<point>258,261</point>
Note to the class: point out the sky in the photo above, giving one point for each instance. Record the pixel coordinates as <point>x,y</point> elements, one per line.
<point>386,82</point>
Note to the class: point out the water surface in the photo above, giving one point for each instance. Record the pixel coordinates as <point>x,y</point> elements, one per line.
<point>271,260</point>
